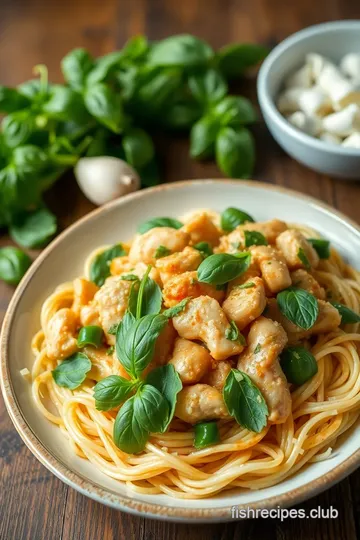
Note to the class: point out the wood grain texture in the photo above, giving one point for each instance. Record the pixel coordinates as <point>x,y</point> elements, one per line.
<point>34,505</point>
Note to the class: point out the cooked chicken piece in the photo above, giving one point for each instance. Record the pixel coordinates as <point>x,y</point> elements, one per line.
<point>89,315</point>
<point>260,361</point>
<point>184,261</point>
<point>294,247</point>
<point>111,302</point>
<point>121,266</point>
<point>60,334</point>
<point>164,344</point>
<point>202,229</point>
<point>84,292</point>
<point>252,272</point>
<point>272,266</point>
<point>190,360</point>
<point>217,376</point>
<point>302,279</point>
<point>103,364</point>
<point>184,285</point>
<point>328,320</point>
<point>235,240</point>
<point>245,304</point>
<point>144,246</point>
<point>204,320</point>
<point>200,402</point>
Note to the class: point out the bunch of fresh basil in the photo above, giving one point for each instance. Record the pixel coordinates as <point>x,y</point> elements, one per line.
<point>106,107</point>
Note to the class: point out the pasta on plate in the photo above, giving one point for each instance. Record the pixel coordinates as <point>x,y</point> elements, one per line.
<point>209,353</point>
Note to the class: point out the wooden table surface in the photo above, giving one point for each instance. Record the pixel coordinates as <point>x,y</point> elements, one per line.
<point>34,505</point>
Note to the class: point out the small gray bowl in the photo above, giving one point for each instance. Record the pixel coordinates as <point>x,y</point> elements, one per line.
<point>333,40</point>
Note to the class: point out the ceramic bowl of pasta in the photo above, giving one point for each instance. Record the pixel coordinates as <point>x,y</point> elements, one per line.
<point>189,352</point>
<point>309,94</point>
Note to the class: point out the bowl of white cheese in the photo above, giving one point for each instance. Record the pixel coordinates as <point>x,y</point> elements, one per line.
<point>309,94</point>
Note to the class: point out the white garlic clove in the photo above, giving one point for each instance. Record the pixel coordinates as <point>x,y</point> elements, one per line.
<point>329,75</point>
<point>350,66</point>
<point>353,141</point>
<point>105,178</point>
<point>308,124</point>
<point>314,102</point>
<point>288,100</point>
<point>302,78</point>
<point>316,63</point>
<point>330,138</point>
<point>342,93</point>
<point>344,122</point>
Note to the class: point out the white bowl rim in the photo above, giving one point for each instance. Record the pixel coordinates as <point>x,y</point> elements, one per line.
<point>90,488</point>
<point>267,103</point>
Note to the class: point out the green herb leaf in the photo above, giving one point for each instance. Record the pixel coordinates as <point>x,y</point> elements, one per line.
<point>235,58</point>
<point>138,147</point>
<point>17,128</point>
<point>235,111</point>
<point>159,222</point>
<point>104,67</point>
<point>168,382</point>
<point>129,277</point>
<point>203,136</point>
<point>111,392</point>
<point>151,409</point>
<point>322,247</point>
<point>223,267</point>
<point>303,258</point>
<point>100,267</point>
<point>257,348</point>
<point>298,306</point>
<point>110,350</point>
<point>12,100</point>
<point>205,249</point>
<point>298,364</point>
<point>135,341</point>
<point>105,105</point>
<point>70,373</point>
<point>128,433</point>
<point>182,115</point>
<point>254,238</point>
<point>161,251</point>
<point>113,329</point>
<point>76,65</point>
<point>175,310</point>
<point>13,264</point>
<point>208,87</point>
<point>151,90</point>
<point>64,103</point>
<point>348,316</point>
<point>244,401</point>
<point>29,159</point>
<point>233,333</point>
<point>151,298</point>
<point>34,229</point>
<point>235,152</point>
<point>247,285</point>
<point>233,217</point>
<point>181,50</point>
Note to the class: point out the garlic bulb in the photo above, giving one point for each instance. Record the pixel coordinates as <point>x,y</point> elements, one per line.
<point>105,178</point>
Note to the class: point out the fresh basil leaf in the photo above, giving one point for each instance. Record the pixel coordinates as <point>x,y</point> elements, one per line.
<point>33,90</point>
<point>223,267</point>
<point>208,87</point>
<point>64,103</point>
<point>34,229</point>
<point>151,409</point>
<point>235,152</point>
<point>104,67</point>
<point>151,298</point>
<point>13,264</point>
<point>247,285</point>
<point>105,105</point>
<point>298,306</point>
<point>244,401</point>
<point>233,333</point>
<point>133,297</point>
<point>128,433</point>
<point>175,310</point>
<point>322,247</point>
<point>159,222</point>
<point>123,330</point>
<point>129,277</point>
<point>138,147</point>
<point>18,127</point>
<point>298,364</point>
<point>235,111</point>
<point>149,174</point>
<point>303,258</point>
<point>29,159</point>
<point>167,381</point>
<point>235,58</point>
<point>182,115</point>
<point>136,48</point>
<point>152,90</point>
<point>348,316</point>
<point>182,50</point>
<point>233,217</point>
<point>70,373</point>
<point>254,238</point>
<point>100,267</point>
<point>161,251</point>
<point>76,66</point>
<point>12,100</point>
<point>203,136</point>
<point>111,392</point>
<point>135,342</point>
<point>110,350</point>
<point>257,349</point>
<point>113,329</point>
<point>205,249</point>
